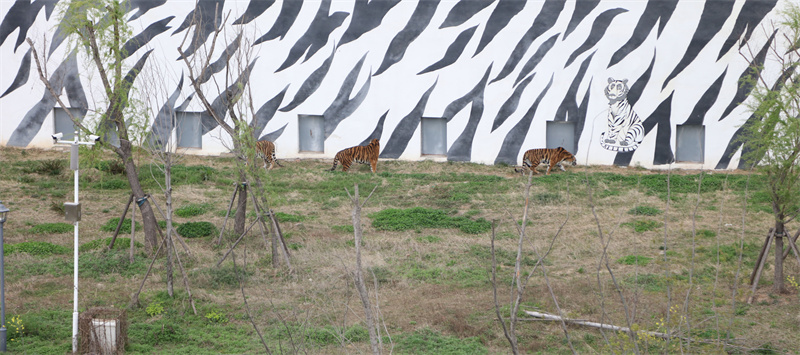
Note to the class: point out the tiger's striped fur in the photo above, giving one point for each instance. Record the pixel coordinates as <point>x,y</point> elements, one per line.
<point>625,129</point>
<point>364,154</point>
<point>533,157</point>
<point>266,150</point>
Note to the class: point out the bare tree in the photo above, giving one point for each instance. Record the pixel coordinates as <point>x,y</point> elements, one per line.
<point>519,283</point>
<point>358,275</point>
<point>231,109</point>
<point>101,30</point>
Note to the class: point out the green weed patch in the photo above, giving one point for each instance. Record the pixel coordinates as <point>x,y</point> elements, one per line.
<point>427,341</point>
<point>419,217</point>
<point>634,260</point>
<point>52,228</point>
<point>196,229</point>
<point>35,248</point>
<point>193,209</point>
<point>111,225</point>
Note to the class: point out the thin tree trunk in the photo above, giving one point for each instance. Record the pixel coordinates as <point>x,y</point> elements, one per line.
<point>168,185</point>
<point>359,276</point>
<point>777,283</point>
<point>241,205</point>
<point>148,217</point>
<point>133,233</point>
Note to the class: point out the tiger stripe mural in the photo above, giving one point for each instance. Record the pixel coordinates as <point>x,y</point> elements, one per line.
<point>498,75</point>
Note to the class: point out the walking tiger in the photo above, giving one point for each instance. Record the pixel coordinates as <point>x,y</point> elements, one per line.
<point>364,154</point>
<point>266,151</point>
<point>532,158</point>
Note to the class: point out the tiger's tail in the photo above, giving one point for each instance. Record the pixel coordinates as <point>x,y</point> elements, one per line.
<point>275,159</point>
<point>335,162</point>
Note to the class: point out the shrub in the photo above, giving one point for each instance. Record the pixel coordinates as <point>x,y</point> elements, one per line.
<point>191,210</point>
<point>111,225</point>
<point>645,211</point>
<point>15,329</point>
<point>216,317</point>
<point>36,248</point>
<point>52,228</point>
<point>418,217</point>
<point>154,308</point>
<point>196,229</point>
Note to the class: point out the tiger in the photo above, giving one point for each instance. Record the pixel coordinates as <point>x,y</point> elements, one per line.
<point>266,151</point>
<point>364,154</point>
<point>625,129</point>
<point>533,157</point>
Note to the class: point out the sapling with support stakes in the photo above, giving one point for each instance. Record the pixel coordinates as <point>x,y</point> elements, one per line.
<point>770,138</point>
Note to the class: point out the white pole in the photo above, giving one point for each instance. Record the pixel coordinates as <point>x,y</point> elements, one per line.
<point>75,267</point>
<point>74,159</point>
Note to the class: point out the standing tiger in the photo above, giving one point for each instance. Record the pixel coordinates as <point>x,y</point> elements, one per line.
<point>364,154</point>
<point>625,130</point>
<point>533,157</point>
<point>266,151</point>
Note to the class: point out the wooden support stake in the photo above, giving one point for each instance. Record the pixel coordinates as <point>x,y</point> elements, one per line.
<point>227,214</point>
<point>761,255</point>
<point>119,224</point>
<point>760,266</point>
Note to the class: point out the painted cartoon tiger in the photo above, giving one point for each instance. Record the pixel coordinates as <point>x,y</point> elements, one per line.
<point>266,150</point>
<point>625,130</point>
<point>364,154</point>
<point>533,157</point>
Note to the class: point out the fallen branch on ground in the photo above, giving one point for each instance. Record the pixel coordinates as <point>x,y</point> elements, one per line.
<point>554,317</point>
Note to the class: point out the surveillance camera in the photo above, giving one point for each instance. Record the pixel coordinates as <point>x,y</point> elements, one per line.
<point>57,136</point>
<point>94,138</point>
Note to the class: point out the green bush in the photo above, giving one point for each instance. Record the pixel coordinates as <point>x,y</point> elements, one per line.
<point>419,217</point>
<point>197,229</point>
<point>111,225</point>
<point>645,211</point>
<point>52,228</point>
<point>35,248</point>
<point>191,210</point>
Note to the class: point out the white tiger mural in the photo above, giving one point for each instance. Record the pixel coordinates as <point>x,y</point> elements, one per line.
<point>625,130</point>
